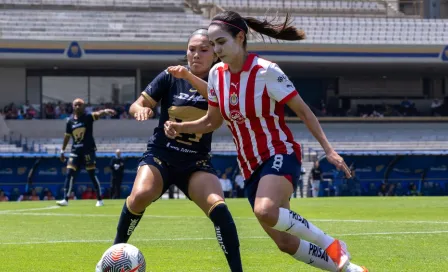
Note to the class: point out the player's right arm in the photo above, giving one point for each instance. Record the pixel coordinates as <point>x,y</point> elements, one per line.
<point>141,109</point>
<point>67,135</point>
<point>210,122</point>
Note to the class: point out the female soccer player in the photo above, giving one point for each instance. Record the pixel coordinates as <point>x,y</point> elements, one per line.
<point>249,93</point>
<point>183,160</point>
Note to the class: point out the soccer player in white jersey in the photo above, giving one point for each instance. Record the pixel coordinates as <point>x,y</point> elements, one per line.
<point>249,93</point>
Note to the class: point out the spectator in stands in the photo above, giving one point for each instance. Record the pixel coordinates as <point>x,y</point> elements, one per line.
<point>34,196</point>
<point>391,190</point>
<point>239,182</point>
<point>3,197</point>
<point>383,189</point>
<point>412,191</point>
<point>117,167</point>
<point>89,194</point>
<point>49,196</point>
<point>300,182</point>
<point>316,178</point>
<point>226,185</point>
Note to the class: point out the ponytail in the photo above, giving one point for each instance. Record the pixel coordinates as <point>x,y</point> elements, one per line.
<point>279,31</point>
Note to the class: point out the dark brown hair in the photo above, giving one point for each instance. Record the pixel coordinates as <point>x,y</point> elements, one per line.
<point>234,23</point>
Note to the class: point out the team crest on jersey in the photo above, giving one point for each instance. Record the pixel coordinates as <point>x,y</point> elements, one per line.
<point>233,99</point>
<point>212,92</point>
<point>237,116</point>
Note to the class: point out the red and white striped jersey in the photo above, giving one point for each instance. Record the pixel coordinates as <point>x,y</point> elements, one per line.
<point>252,104</point>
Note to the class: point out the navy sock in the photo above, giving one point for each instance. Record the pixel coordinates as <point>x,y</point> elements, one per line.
<point>127,223</point>
<point>69,180</point>
<point>227,236</point>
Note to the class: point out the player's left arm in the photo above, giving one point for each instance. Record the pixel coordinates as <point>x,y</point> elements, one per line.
<point>101,113</point>
<point>281,89</point>
<point>199,84</point>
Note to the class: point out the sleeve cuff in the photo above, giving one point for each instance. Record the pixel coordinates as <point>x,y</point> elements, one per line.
<point>214,104</point>
<point>95,117</point>
<point>146,96</point>
<point>67,134</point>
<point>288,97</point>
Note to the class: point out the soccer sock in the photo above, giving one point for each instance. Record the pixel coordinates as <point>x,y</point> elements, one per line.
<point>315,256</point>
<point>126,224</point>
<point>296,225</point>
<point>96,183</point>
<point>68,186</point>
<point>227,235</point>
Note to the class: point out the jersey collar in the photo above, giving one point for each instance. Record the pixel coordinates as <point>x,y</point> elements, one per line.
<point>247,64</point>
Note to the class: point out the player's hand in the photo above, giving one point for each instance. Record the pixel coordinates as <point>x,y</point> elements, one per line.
<point>110,112</point>
<point>62,157</point>
<point>171,129</point>
<point>178,71</point>
<point>339,162</point>
<point>143,114</point>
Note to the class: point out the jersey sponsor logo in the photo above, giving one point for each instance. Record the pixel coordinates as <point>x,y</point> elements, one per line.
<point>236,116</point>
<point>233,99</point>
<point>235,85</point>
<point>278,162</point>
<point>192,90</point>
<point>187,97</point>
<point>318,252</point>
<point>76,125</point>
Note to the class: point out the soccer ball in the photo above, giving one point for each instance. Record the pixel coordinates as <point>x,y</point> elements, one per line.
<point>122,258</point>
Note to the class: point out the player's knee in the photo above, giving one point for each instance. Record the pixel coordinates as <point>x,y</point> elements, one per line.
<point>140,199</point>
<point>266,213</point>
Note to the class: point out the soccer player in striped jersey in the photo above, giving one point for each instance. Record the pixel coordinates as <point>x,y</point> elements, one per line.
<point>249,94</point>
<point>183,161</point>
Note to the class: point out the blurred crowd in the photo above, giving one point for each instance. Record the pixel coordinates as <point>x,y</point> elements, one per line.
<point>58,110</point>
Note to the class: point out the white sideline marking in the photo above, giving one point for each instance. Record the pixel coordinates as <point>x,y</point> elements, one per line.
<point>17,212</point>
<point>32,209</point>
<point>212,238</point>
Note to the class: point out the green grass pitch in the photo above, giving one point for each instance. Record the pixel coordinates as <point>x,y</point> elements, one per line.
<point>384,234</point>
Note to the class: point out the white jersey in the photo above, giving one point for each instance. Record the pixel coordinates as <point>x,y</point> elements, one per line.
<point>252,104</point>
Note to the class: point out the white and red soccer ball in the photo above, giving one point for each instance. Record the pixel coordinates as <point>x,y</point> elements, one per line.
<point>122,258</point>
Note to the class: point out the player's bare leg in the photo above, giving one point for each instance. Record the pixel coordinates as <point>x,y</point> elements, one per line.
<point>273,212</point>
<point>147,187</point>
<point>206,191</point>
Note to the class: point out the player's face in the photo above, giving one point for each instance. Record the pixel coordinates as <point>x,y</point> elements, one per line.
<point>78,107</point>
<point>225,46</point>
<point>200,54</point>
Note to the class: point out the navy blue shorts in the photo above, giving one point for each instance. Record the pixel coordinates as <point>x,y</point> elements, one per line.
<point>178,175</point>
<point>87,160</point>
<point>280,165</point>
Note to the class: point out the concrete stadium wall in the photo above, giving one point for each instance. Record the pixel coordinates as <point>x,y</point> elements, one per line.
<point>132,128</point>
<point>12,86</point>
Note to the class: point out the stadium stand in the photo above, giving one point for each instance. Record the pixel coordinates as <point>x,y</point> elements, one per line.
<point>345,28</point>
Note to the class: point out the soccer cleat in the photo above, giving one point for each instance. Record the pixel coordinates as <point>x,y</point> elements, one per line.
<point>338,253</point>
<point>99,203</point>
<point>351,267</point>
<point>62,202</point>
